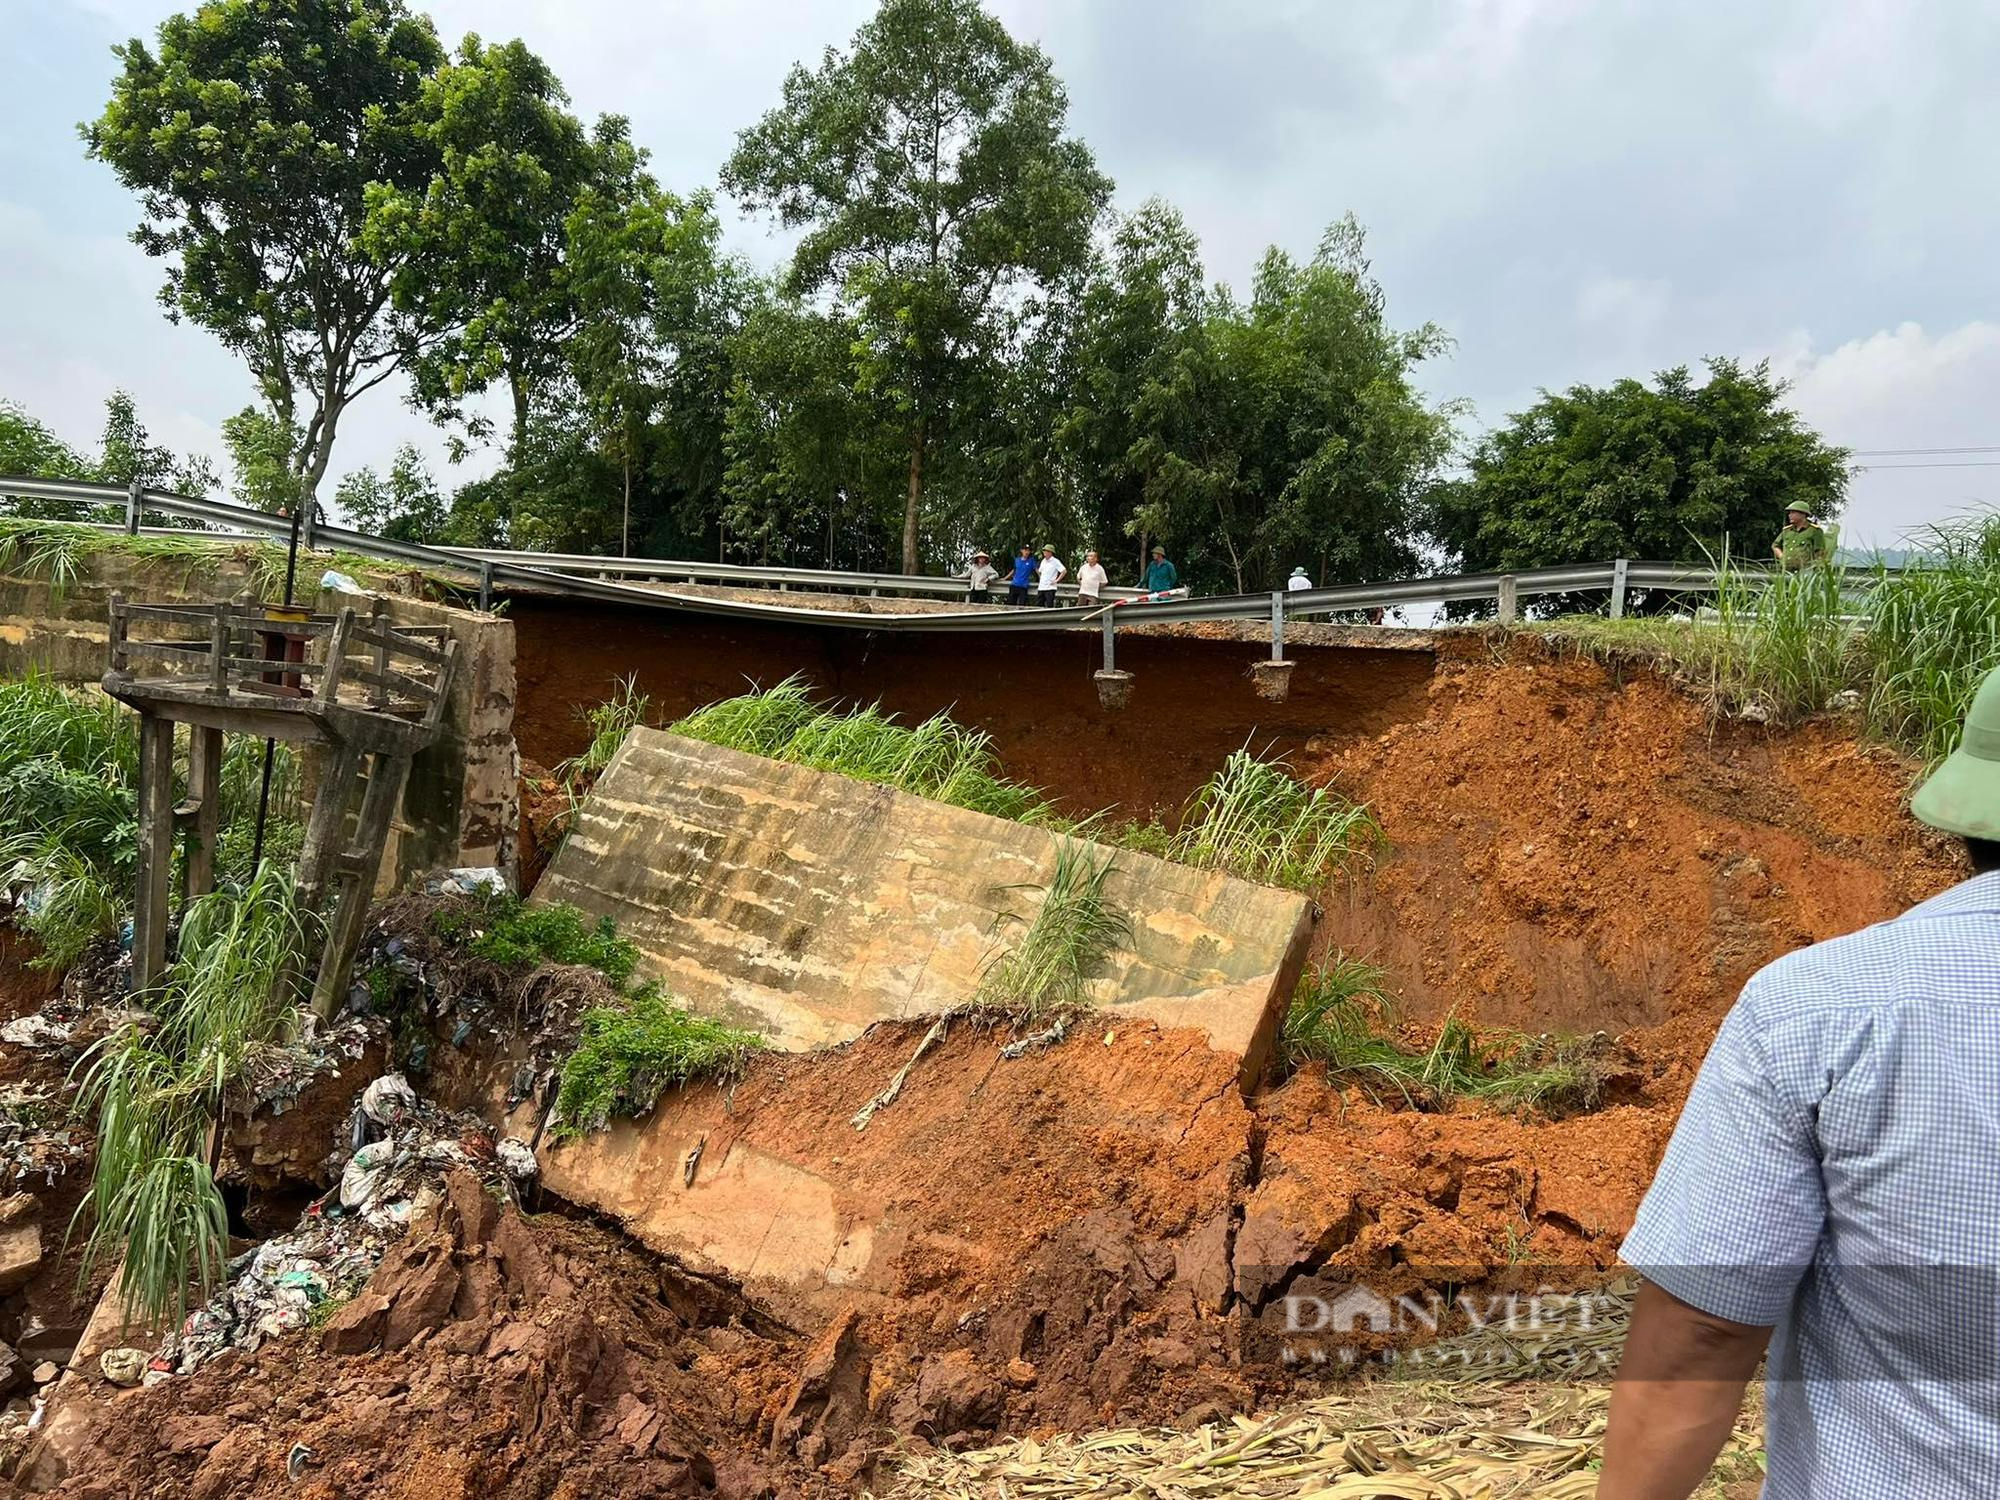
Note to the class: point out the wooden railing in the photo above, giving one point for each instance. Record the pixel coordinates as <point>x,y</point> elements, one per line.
<point>245,646</point>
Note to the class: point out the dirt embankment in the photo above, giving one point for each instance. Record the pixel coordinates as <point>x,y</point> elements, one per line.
<point>1192,704</point>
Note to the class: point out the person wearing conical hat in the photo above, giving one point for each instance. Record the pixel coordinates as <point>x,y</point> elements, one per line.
<point>1803,542</point>
<point>979,581</point>
<point>1831,1199</point>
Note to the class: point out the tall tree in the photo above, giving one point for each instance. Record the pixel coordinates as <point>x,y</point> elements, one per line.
<point>1289,430</point>
<point>480,246</point>
<point>929,169</point>
<point>1145,305</point>
<point>255,137</point>
<point>1670,471</point>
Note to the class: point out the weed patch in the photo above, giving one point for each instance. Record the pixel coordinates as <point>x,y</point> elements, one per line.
<point>938,758</point>
<point>627,1055</point>
<point>1256,820</point>
<point>1342,1017</point>
<point>1065,944</point>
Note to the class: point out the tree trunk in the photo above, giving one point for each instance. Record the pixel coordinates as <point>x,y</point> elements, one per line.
<point>914,503</point>
<point>625,528</point>
<point>1142,561</point>
<point>520,394</point>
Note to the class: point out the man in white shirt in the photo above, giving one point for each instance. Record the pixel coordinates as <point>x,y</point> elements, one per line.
<point>1090,579</point>
<point>1048,573</point>
<point>1298,582</point>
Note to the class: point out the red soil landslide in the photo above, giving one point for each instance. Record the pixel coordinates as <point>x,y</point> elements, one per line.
<point>1097,1231</point>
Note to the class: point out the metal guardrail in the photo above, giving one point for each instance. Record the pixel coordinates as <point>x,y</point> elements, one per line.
<point>575,575</point>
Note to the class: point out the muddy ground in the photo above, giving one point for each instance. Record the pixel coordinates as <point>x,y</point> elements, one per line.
<point>1101,1231</point>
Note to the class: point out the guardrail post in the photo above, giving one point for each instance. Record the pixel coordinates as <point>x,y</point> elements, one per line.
<point>486,584</point>
<point>1509,606</point>
<point>132,509</point>
<point>1618,589</point>
<point>1277,625</point>
<point>1110,639</point>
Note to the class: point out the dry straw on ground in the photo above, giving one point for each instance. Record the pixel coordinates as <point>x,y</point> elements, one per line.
<point>1514,1431</point>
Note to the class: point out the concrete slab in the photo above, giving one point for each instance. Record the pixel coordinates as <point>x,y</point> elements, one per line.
<point>808,906</point>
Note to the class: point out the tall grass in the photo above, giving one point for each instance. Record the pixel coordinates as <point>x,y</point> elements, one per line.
<point>938,758</point>
<point>158,1084</point>
<point>69,812</point>
<point>1910,645</point>
<point>1073,932</point>
<point>1256,820</point>
<point>610,721</point>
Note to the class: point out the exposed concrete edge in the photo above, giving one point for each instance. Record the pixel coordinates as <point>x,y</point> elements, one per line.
<point>690,847</point>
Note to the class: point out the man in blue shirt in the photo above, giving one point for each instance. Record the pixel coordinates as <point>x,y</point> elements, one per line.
<point>1833,1191</point>
<point>1161,576</point>
<point>1021,582</point>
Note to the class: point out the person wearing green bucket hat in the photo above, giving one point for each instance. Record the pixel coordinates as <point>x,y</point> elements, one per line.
<point>1962,795</point>
<point>1831,1196</point>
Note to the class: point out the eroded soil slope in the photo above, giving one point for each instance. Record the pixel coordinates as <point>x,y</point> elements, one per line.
<point>1575,848</point>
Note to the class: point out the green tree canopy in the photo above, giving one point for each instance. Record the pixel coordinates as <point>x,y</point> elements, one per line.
<point>405,506</point>
<point>1289,430</point>
<point>253,137</point>
<point>929,169</point>
<point>1668,472</point>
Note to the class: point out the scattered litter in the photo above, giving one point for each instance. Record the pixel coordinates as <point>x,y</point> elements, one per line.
<point>296,1460</point>
<point>38,1135</point>
<point>385,1185</point>
<point>1035,1041</point>
<point>273,1076</point>
<point>339,582</point>
<point>468,880</point>
<point>388,1100</point>
<point>888,1095</point>
<point>124,1366</point>
<point>517,1159</point>
<point>36,1031</point>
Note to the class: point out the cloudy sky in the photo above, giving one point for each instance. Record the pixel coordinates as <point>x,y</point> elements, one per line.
<point>1576,191</point>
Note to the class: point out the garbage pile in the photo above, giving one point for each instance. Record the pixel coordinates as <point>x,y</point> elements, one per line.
<point>437,991</point>
<point>402,1146</point>
<point>273,1076</point>
<point>39,1137</point>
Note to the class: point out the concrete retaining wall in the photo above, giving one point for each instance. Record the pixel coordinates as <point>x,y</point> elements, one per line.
<point>462,805</point>
<point>808,906</point>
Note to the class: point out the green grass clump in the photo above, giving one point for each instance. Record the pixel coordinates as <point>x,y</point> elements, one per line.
<point>938,758</point>
<point>1074,930</point>
<point>157,1086</point>
<point>69,813</point>
<point>1933,633</point>
<point>503,929</point>
<point>610,721</point>
<point>627,1055</point>
<point>1341,1016</point>
<point>1256,820</point>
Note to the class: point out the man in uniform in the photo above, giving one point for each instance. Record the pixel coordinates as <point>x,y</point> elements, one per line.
<point>1161,574</point>
<point>1802,544</point>
<point>1832,1191</point>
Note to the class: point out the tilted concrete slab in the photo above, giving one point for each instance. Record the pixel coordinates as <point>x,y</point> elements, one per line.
<point>808,906</point>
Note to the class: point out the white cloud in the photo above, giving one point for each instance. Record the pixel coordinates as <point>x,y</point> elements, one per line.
<point>1858,56</point>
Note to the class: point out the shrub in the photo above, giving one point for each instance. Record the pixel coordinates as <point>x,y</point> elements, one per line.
<point>1072,933</point>
<point>1256,820</point>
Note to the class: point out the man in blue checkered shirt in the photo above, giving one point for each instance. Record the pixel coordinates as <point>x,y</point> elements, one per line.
<point>1833,1191</point>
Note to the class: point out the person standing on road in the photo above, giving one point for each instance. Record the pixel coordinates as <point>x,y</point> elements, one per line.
<point>1090,579</point>
<point>1803,542</point>
<point>1162,575</point>
<point>1022,579</point>
<point>1048,573</point>
<point>1298,583</point>
<point>979,582</point>
<point>1833,1190</point>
